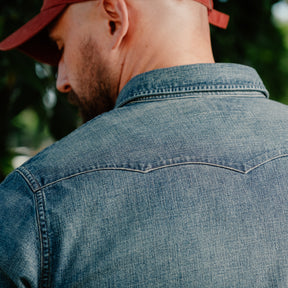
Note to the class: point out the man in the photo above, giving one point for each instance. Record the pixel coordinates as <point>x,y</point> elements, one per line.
<point>180,180</point>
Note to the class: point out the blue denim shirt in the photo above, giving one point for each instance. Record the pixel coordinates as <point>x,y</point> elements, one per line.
<point>183,184</point>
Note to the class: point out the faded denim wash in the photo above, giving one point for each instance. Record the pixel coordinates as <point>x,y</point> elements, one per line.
<point>183,184</point>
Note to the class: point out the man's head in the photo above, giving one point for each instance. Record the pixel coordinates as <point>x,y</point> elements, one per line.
<point>100,45</point>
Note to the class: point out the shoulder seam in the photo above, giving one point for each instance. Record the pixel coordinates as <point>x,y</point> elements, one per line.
<point>29,178</point>
<point>42,226</point>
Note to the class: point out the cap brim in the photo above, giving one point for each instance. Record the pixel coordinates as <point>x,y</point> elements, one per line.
<point>33,39</point>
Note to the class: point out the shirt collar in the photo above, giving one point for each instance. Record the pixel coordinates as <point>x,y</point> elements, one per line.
<point>195,78</point>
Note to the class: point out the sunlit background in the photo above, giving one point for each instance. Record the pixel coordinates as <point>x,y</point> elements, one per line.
<point>33,115</point>
<point>280,11</point>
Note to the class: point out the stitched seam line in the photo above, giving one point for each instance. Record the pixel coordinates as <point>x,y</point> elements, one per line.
<point>161,167</point>
<point>167,93</point>
<point>208,88</point>
<point>263,163</point>
<point>44,240</point>
<point>159,98</point>
<point>42,227</point>
<point>29,178</point>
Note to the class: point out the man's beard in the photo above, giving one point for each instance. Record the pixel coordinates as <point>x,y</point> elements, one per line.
<point>95,92</point>
<point>93,105</point>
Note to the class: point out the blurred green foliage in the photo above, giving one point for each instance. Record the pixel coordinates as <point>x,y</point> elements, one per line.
<point>33,113</point>
<point>255,38</point>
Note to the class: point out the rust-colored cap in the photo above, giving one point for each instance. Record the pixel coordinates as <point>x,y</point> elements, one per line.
<point>216,18</point>
<point>33,39</point>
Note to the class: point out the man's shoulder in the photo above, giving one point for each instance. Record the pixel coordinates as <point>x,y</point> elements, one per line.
<point>88,148</point>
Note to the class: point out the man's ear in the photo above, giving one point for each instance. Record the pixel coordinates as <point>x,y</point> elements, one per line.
<point>117,15</point>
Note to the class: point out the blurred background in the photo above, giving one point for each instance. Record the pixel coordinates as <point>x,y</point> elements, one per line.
<point>33,114</point>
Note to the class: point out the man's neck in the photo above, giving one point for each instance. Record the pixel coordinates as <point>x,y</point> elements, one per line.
<point>162,42</point>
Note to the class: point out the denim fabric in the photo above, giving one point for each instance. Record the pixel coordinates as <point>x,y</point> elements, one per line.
<point>183,184</point>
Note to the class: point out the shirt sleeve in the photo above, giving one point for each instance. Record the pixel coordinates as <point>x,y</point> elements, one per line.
<point>20,249</point>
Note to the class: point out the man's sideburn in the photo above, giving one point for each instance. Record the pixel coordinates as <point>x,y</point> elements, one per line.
<point>93,92</point>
